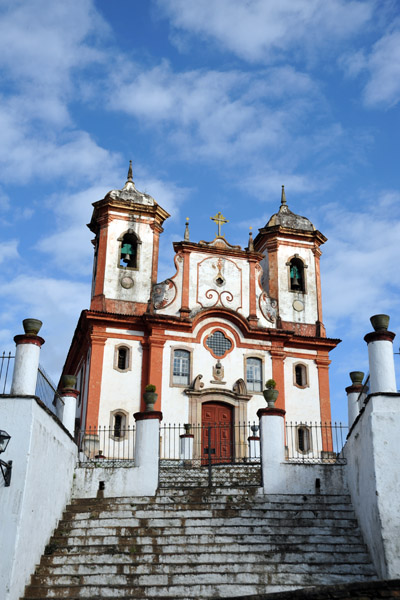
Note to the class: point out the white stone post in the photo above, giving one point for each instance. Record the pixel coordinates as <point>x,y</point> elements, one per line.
<point>254,447</point>
<point>353,392</point>
<point>26,363</point>
<point>382,376</point>
<point>272,446</point>
<point>186,447</point>
<point>147,445</point>
<point>69,397</point>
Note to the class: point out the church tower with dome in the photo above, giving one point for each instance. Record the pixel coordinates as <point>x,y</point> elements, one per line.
<point>228,319</point>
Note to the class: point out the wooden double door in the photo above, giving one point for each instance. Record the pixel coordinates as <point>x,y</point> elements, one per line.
<point>217,433</point>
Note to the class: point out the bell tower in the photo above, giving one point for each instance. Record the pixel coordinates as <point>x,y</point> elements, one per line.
<point>291,265</point>
<point>127,226</point>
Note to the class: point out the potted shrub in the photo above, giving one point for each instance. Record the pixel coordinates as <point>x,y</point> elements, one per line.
<point>270,393</point>
<point>150,396</point>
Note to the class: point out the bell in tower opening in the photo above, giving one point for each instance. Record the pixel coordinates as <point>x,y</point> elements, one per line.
<point>296,271</point>
<point>129,250</point>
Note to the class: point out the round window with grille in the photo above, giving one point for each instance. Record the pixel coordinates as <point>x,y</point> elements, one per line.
<point>219,344</point>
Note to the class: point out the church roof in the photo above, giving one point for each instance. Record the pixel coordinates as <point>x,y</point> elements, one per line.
<point>129,192</point>
<point>286,218</point>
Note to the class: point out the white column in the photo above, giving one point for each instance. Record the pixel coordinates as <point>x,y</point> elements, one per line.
<point>69,397</point>
<point>272,447</point>
<point>26,364</point>
<point>186,449</point>
<point>382,377</point>
<point>147,444</point>
<point>353,392</point>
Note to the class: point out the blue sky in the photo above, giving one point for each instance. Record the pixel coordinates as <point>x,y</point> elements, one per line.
<point>218,103</point>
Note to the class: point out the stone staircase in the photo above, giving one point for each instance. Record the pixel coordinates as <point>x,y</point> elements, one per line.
<point>195,542</point>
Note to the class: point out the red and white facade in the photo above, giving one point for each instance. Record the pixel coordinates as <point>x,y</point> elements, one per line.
<point>227,320</point>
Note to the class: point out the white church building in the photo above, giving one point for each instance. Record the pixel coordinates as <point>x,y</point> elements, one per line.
<point>188,450</point>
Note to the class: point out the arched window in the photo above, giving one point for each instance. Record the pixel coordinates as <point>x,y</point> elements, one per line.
<point>129,250</point>
<point>118,425</point>
<point>300,375</point>
<point>303,439</point>
<point>254,374</point>
<point>122,358</point>
<point>181,367</point>
<point>296,275</point>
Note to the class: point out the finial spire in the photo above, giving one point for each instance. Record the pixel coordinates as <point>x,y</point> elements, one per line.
<point>219,219</point>
<point>283,197</point>
<point>251,242</point>
<point>186,236</point>
<point>130,175</point>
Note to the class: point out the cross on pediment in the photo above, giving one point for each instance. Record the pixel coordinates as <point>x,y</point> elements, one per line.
<point>219,219</point>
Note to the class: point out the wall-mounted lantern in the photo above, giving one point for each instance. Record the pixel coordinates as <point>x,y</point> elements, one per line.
<point>6,467</point>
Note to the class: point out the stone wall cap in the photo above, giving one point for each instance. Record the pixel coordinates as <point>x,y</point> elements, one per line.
<point>271,412</point>
<point>381,335</point>
<point>146,416</point>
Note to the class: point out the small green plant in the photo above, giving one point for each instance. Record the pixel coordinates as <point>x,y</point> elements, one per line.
<point>132,550</point>
<point>150,388</point>
<point>270,384</point>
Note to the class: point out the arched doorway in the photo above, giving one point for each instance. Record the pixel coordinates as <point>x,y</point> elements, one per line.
<point>217,432</point>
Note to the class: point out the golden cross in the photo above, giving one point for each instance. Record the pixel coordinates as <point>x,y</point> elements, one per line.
<point>219,220</point>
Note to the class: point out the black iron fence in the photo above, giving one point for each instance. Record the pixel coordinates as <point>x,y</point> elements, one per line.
<point>6,371</point>
<point>106,446</point>
<point>47,392</point>
<point>209,443</point>
<point>315,442</point>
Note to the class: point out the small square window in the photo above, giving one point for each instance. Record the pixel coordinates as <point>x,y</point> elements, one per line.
<point>254,374</point>
<point>181,367</point>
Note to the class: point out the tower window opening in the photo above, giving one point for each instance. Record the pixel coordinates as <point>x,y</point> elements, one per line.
<point>122,358</point>
<point>303,439</point>
<point>296,273</point>
<point>300,375</point>
<point>254,374</point>
<point>118,425</point>
<point>129,250</point>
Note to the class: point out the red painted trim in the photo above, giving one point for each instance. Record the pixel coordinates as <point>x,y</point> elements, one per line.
<point>252,290</point>
<point>377,336</point>
<point>323,363</point>
<point>101,262</point>
<point>186,435</point>
<point>270,412</point>
<point>185,282</point>
<point>69,392</point>
<point>35,340</point>
<point>253,437</point>
<point>355,388</point>
<point>154,264</point>
<point>278,373</point>
<point>146,416</point>
<point>95,380</point>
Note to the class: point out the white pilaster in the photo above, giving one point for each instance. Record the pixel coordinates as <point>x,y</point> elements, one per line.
<point>69,398</point>
<point>382,377</point>
<point>147,445</point>
<point>186,448</point>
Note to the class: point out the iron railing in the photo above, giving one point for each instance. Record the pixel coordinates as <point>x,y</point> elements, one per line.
<point>315,442</point>
<point>106,446</point>
<point>47,392</point>
<point>6,371</point>
<point>215,443</point>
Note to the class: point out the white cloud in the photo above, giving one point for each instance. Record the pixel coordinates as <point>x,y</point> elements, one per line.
<point>360,262</point>
<point>259,30</point>
<point>8,251</point>
<point>57,302</point>
<point>381,67</point>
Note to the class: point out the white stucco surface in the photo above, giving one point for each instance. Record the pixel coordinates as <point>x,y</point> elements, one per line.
<point>120,389</point>
<point>382,376</point>
<point>302,404</point>
<point>43,458</point>
<point>140,292</point>
<point>373,457</point>
<point>25,369</point>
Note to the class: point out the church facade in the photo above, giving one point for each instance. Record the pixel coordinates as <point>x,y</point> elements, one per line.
<point>209,337</point>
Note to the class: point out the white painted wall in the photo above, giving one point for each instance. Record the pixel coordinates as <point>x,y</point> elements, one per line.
<point>140,292</point>
<point>286,298</point>
<point>301,404</point>
<point>43,458</point>
<point>373,458</point>
<point>120,389</point>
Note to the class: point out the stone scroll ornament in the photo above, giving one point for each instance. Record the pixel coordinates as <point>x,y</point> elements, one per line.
<point>163,294</point>
<point>268,307</point>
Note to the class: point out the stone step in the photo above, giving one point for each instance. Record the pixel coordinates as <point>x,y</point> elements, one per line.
<point>188,588</point>
<point>138,568</point>
<point>155,578</point>
<point>195,533</point>
<point>271,552</point>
